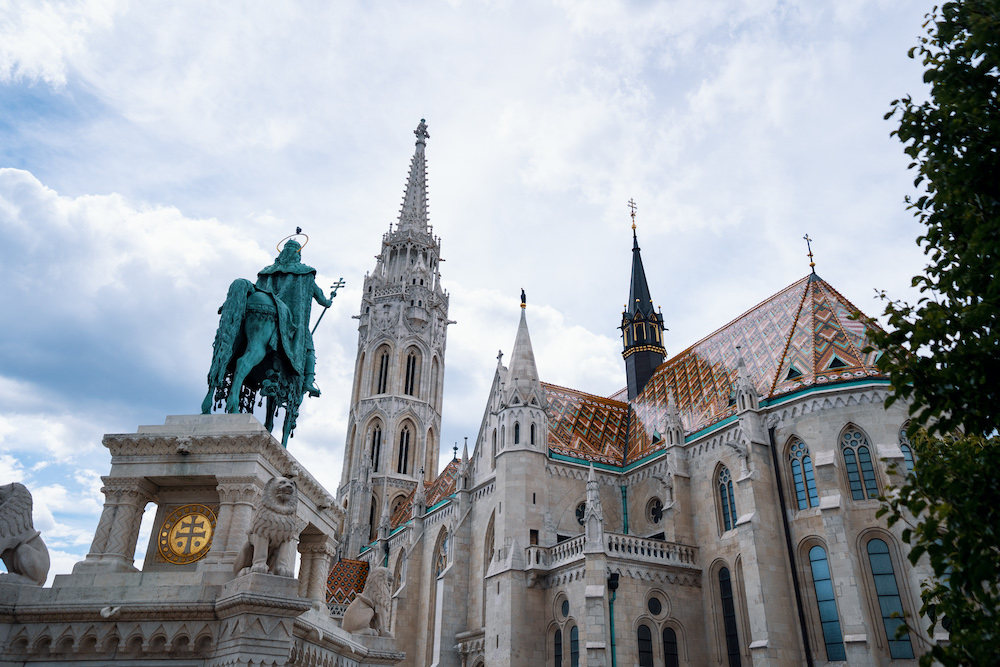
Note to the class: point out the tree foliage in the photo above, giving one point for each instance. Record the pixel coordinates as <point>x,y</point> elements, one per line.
<point>954,490</point>
<point>944,352</point>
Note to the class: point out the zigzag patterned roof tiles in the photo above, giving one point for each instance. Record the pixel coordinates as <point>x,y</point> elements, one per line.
<point>586,426</point>
<point>801,337</point>
<point>442,487</point>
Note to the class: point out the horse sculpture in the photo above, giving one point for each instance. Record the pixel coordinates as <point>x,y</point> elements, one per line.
<point>263,348</point>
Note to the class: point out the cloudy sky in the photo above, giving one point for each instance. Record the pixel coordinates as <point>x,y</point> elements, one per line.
<point>152,152</point>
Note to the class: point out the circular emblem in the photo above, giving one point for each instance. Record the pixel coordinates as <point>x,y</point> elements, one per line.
<point>186,534</point>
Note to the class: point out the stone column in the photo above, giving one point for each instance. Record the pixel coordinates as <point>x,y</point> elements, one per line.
<point>118,530</point>
<point>236,497</point>
<point>317,555</point>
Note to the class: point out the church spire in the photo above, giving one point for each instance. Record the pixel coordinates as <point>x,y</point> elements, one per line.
<point>413,215</point>
<point>522,374</point>
<point>641,326</point>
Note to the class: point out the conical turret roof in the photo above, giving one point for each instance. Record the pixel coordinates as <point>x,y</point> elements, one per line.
<point>639,300</point>
<point>522,360</point>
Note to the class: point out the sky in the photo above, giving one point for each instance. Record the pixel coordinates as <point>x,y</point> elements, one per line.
<point>152,152</point>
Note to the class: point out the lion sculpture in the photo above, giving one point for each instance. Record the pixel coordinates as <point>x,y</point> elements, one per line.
<point>21,546</point>
<point>270,545</point>
<point>368,613</point>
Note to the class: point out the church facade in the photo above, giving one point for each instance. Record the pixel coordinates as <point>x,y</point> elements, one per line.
<point>718,510</point>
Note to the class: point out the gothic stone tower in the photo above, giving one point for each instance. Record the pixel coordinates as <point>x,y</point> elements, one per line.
<point>393,433</point>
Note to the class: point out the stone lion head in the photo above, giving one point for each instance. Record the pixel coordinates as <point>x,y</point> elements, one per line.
<point>281,495</point>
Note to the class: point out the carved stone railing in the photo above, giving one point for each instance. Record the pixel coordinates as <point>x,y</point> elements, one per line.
<point>631,547</point>
<point>624,547</point>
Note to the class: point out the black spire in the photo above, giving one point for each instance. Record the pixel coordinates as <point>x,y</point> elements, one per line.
<point>642,329</point>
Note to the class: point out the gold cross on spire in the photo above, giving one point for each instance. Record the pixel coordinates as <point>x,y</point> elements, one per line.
<point>812,264</point>
<point>631,205</point>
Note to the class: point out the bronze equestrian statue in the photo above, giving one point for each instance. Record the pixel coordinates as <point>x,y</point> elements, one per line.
<point>263,349</point>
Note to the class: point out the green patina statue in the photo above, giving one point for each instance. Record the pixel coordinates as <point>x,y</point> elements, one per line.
<point>263,344</point>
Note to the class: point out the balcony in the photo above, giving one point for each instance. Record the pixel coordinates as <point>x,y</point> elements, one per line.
<point>619,547</point>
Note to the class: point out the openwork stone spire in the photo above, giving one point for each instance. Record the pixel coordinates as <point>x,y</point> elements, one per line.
<point>414,212</point>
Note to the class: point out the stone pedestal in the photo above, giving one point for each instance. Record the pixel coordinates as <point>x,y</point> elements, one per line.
<point>195,612</point>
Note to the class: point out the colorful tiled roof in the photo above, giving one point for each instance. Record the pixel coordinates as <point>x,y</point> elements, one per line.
<point>586,426</point>
<point>442,487</point>
<point>346,580</point>
<point>800,337</point>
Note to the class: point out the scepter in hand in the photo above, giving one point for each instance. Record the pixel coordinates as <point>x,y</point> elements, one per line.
<point>333,292</point>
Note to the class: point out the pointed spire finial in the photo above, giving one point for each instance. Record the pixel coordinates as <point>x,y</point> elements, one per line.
<point>524,299</point>
<point>812,264</point>
<point>413,214</point>
<point>422,134</point>
<point>632,207</point>
<point>455,449</point>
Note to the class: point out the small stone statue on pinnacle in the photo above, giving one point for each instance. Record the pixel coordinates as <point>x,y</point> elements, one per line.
<point>263,345</point>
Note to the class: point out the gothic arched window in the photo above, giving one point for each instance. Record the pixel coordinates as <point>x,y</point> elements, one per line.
<point>441,560</point>
<point>889,601</point>
<point>727,498</point>
<point>376,446</point>
<point>858,463</point>
<point>372,526</point>
<point>382,379</point>
<point>409,385</point>
<point>729,618</point>
<point>802,475</point>
<point>532,434</point>
<point>574,647</point>
<point>904,445</point>
<point>827,602</point>
<point>403,465</point>
<point>670,656</point>
<point>557,648</point>
<point>645,638</point>
<point>517,433</point>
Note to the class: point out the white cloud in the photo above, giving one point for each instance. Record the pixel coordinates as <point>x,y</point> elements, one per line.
<point>38,40</point>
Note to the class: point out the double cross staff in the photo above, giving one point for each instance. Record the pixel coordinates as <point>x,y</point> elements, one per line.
<point>333,293</point>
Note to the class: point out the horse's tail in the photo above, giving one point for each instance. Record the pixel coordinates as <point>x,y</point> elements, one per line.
<point>229,328</point>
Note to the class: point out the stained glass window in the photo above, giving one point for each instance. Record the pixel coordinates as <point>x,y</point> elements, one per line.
<point>889,602</point>
<point>858,462</point>
<point>825,598</point>
<point>729,618</point>
<point>802,475</point>
<point>728,500</point>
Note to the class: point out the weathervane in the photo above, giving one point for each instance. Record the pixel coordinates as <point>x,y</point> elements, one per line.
<point>631,205</point>
<point>812,264</point>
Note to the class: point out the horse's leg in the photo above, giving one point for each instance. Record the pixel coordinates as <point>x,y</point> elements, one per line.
<point>206,405</point>
<point>269,411</point>
<point>258,331</point>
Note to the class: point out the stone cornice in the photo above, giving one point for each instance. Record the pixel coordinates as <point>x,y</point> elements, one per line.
<point>205,450</point>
